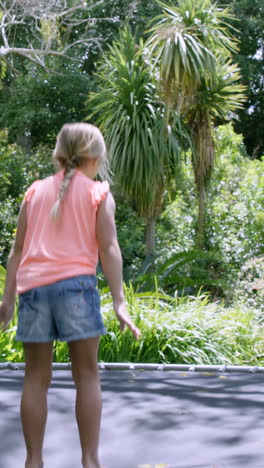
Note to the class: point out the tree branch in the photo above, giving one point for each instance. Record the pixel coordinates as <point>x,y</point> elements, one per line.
<point>42,64</point>
<point>31,13</point>
<point>34,52</point>
<point>80,41</point>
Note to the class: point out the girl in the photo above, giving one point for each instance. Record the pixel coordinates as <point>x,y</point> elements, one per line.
<point>65,220</point>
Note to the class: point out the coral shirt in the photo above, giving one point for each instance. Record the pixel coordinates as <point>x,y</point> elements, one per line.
<point>65,248</point>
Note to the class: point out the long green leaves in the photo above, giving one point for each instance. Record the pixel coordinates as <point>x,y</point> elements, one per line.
<point>180,331</point>
<point>217,97</point>
<point>192,44</point>
<point>186,40</point>
<point>132,118</point>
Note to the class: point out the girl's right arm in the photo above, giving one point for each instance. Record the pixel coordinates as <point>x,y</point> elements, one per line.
<point>111,261</point>
<point>8,301</point>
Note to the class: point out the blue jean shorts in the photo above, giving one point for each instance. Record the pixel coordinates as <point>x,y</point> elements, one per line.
<point>67,310</point>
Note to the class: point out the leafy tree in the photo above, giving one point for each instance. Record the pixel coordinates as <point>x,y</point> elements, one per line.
<point>45,102</point>
<point>37,29</point>
<point>43,49</point>
<point>216,99</point>
<point>250,57</point>
<point>51,90</point>
<point>132,119</point>
<point>185,39</point>
<point>234,224</point>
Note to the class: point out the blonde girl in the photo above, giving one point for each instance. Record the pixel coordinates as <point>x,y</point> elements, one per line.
<point>65,221</point>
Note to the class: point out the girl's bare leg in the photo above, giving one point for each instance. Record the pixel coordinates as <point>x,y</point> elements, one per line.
<point>37,379</point>
<point>85,373</point>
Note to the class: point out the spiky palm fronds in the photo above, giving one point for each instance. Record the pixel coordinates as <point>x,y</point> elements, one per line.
<point>217,98</point>
<point>185,40</point>
<point>131,117</point>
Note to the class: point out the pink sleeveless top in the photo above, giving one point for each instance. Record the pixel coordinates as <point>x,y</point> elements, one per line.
<point>58,250</point>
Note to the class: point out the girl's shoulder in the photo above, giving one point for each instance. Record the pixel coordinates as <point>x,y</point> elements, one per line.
<point>31,189</point>
<point>98,191</point>
<point>37,184</point>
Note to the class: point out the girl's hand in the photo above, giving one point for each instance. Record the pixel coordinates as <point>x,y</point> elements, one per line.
<point>6,314</point>
<point>125,319</point>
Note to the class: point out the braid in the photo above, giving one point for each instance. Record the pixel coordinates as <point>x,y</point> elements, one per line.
<point>68,175</point>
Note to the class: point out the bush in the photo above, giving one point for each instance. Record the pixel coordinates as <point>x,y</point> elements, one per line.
<point>235,210</point>
<point>20,168</point>
<point>131,237</point>
<point>8,219</point>
<point>188,330</point>
<point>234,223</point>
<point>250,284</point>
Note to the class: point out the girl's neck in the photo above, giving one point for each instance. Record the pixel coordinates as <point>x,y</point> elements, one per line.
<point>89,168</point>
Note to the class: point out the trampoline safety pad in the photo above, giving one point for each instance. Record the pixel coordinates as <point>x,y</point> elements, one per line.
<point>161,419</point>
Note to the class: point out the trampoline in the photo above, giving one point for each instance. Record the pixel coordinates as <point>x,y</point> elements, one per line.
<point>186,418</point>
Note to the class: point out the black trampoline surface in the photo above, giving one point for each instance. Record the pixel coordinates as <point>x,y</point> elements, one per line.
<point>151,419</point>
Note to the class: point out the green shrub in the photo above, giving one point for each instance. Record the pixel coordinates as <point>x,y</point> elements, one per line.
<point>19,168</point>
<point>234,222</point>
<point>235,210</point>
<point>131,236</point>
<point>250,284</point>
<point>8,219</point>
<point>187,330</point>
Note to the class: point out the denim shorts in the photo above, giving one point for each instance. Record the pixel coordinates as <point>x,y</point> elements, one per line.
<point>67,310</point>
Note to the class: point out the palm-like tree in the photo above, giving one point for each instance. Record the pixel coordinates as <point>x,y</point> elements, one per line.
<point>192,43</point>
<point>184,40</point>
<point>127,109</point>
<point>215,100</point>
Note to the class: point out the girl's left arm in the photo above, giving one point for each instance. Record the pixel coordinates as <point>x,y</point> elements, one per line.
<point>8,302</point>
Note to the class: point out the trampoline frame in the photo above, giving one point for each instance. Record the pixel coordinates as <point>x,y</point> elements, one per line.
<point>146,367</point>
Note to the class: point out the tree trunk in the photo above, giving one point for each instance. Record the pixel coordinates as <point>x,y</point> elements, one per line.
<point>25,141</point>
<point>150,244</point>
<point>201,218</point>
<point>150,236</point>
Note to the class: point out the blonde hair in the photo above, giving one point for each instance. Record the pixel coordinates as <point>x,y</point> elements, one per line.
<point>77,142</point>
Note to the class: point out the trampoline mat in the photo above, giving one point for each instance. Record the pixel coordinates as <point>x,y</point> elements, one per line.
<point>151,419</point>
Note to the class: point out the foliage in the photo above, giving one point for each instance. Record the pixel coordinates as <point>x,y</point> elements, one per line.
<point>192,45</point>
<point>48,89</point>
<point>234,226</point>
<point>37,30</point>
<point>181,330</point>
<point>20,168</point>
<point>185,273</point>
<point>143,150</point>
<point>186,40</point>
<point>234,222</point>
<point>250,283</point>
<point>220,95</point>
<point>186,330</point>
<point>98,27</point>
<point>130,233</point>
<point>249,31</point>
<point>235,212</point>
<point>46,101</point>
<point>8,219</point>
<point>217,98</point>
<point>131,116</point>
<point>123,13</point>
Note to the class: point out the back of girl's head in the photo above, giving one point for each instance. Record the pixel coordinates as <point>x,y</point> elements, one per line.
<point>77,143</point>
